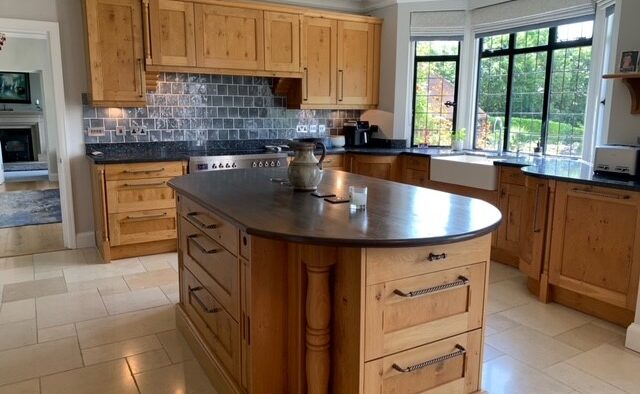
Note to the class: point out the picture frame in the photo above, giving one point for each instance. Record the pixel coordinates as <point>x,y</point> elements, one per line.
<point>629,62</point>
<point>14,88</point>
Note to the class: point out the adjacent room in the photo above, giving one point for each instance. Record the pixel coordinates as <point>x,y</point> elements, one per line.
<point>301,196</point>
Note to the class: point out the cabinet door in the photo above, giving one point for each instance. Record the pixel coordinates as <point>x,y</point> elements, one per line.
<point>511,201</point>
<point>319,51</point>
<point>229,37</point>
<point>355,63</point>
<point>172,33</point>
<point>533,227</point>
<point>281,42</point>
<point>595,246</point>
<point>116,70</point>
<point>383,167</point>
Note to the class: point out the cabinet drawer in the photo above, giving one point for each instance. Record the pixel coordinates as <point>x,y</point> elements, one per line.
<point>116,172</point>
<point>514,176</point>
<point>449,366</point>
<point>416,177</point>
<point>142,226</point>
<point>391,264</point>
<point>410,312</point>
<point>214,265</point>
<point>333,161</point>
<point>417,163</point>
<point>211,224</point>
<point>219,330</point>
<point>139,194</point>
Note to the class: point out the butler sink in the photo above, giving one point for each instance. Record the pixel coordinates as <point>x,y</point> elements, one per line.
<point>466,170</point>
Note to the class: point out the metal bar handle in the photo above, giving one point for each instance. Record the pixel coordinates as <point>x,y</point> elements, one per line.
<point>143,171</point>
<point>536,208</point>
<point>142,77</point>
<point>129,185</point>
<point>461,351</point>
<point>341,74</point>
<point>193,291</point>
<point>194,218</point>
<point>203,249</point>
<point>436,256</point>
<point>306,84</point>
<point>143,217</point>
<point>462,281</point>
<point>603,195</point>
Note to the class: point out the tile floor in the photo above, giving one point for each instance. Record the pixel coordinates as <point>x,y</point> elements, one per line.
<point>69,324</point>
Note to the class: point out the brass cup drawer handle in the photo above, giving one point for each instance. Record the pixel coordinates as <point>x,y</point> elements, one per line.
<point>460,352</point>
<point>436,256</point>
<point>143,185</point>
<point>193,216</point>
<point>203,249</point>
<point>144,217</point>
<point>194,292</point>
<point>142,171</point>
<point>461,282</point>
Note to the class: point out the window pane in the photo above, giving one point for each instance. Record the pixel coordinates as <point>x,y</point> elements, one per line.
<point>437,48</point>
<point>435,85</point>
<point>532,38</point>
<point>575,31</point>
<point>527,101</point>
<point>492,99</point>
<point>568,101</point>
<point>495,43</point>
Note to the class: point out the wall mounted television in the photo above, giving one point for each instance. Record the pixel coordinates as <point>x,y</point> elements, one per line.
<point>14,88</point>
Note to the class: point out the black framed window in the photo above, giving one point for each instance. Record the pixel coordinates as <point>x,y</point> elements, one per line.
<point>532,90</point>
<point>437,66</point>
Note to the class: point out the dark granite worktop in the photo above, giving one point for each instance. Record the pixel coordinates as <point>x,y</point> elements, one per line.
<point>397,215</point>
<point>562,169</point>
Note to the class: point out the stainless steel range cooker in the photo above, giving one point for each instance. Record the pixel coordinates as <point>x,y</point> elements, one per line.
<point>232,162</point>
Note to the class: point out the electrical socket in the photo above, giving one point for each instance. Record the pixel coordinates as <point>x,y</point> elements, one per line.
<point>313,128</point>
<point>302,128</point>
<point>322,129</point>
<point>138,130</point>
<point>95,131</point>
<point>121,130</point>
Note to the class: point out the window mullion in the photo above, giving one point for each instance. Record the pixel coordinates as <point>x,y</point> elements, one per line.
<point>507,113</point>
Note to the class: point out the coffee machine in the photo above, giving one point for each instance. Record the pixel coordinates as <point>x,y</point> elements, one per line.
<point>357,133</point>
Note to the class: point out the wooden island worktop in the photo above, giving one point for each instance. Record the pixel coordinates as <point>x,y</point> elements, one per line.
<point>283,292</point>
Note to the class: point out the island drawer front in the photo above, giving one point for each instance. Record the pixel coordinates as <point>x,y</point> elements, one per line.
<point>391,264</point>
<point>512,175</point>
<point>139,194</point>
<point>410,312</point>
<point>142,226</point>
<point>217,269</point>
<point>167,169</point>
<point>211,224</point>
<point>448,366</point>
<point>218,329</point>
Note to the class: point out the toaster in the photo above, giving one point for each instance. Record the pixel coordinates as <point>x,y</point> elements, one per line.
<point>617,160</point>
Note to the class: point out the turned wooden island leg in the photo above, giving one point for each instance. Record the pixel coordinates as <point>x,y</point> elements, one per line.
<point>318,262</point>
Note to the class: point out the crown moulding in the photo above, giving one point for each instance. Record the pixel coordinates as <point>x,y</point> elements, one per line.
<point>362,6</point>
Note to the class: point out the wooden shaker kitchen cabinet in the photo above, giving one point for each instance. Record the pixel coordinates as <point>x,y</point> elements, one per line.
<point>533,227</point>
<point>595,243</point>
<point>355,62</point>
<point>229,37</point>
<point>281,41</point>
<point>382,167</point>
<point>319,60</point>
<point>115,52</point>
<point>172,31</point>
<point>511,200</point>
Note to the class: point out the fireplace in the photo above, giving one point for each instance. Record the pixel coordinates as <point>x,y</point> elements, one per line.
<point>17,145</point>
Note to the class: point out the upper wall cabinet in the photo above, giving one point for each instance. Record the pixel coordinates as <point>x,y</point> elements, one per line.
<point>281,41</point>
<point>229,37</point>
<point>116,64</point>
<point>319,48</point>
<point>356,62</point>
<point>172,33</point>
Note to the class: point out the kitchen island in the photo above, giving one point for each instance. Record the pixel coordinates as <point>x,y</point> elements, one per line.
<point>284,292</point>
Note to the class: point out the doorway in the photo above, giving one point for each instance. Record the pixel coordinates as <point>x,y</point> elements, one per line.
<point>36,212</point>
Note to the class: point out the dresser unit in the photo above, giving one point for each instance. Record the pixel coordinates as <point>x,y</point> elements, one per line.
<point>134,208</point>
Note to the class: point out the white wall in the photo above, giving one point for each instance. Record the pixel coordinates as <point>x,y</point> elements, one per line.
<point>623,127</point>
<point>41,10</point>
<point>32,55</point>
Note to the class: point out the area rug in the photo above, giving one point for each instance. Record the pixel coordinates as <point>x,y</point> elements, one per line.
<point>26,166</point>
<point>29,207</point>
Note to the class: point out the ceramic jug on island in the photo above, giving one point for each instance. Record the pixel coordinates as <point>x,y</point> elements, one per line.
<point>305,170</point>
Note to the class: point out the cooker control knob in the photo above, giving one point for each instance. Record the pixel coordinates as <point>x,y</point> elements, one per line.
<point>254,164</point>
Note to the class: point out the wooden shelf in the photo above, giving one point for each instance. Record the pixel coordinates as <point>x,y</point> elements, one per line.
<point>632,82</point>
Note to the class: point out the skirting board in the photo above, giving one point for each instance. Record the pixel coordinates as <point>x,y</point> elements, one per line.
<point>633,337</point>
<point>85,240</point>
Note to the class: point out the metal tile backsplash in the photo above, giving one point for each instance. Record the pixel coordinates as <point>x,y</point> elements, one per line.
<point>192,107</point>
